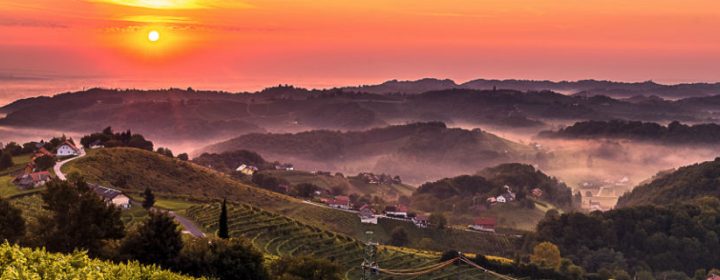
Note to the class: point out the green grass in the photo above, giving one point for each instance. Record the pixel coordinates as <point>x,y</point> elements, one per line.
<point>277,235</point>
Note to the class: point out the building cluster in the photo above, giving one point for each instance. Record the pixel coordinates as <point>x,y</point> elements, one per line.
<point>31,177</point>
<point>382,179</point>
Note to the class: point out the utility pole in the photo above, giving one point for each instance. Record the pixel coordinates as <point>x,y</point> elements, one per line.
<point>369,265</point>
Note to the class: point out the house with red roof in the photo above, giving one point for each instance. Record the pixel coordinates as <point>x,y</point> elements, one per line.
<point>67,149</point>
<point>32,180</point>
<point>340,202</point>
<point>484,224</point>
<point>397,211</point>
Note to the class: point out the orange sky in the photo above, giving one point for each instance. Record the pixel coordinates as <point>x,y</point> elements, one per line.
<point>241,45</point>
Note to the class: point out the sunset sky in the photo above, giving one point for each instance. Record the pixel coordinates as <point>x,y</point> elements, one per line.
<point>246,45</point>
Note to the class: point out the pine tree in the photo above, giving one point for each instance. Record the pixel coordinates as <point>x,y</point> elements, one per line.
<point>149,199</point>
<point>223,223</point>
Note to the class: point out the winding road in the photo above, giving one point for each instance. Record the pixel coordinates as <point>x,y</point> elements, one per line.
<point>188,225</point>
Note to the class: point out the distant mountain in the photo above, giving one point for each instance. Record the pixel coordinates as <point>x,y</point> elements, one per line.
<point>684,184</point>
<point>581,87</point>
<point>673,133</point>
<point>419,151</point>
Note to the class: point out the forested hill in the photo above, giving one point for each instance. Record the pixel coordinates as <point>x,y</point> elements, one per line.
<point>685,184</point>
<point>673,133</point>
<point>414,151</point>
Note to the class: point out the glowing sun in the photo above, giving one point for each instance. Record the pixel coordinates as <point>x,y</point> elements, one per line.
<point>153,36</point>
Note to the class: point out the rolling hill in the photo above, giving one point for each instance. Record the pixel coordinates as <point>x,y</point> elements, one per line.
<point>684,184</point>
<point>134,169</point>
<point>673,133</point>
<point>416,152</point>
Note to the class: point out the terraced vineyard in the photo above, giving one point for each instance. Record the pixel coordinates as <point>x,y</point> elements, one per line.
<point>281,236</point>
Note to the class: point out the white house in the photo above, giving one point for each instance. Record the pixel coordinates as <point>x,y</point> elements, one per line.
<point>340,202</point>
<point>247,169</point>
<point>421,221</point>
<point>397,211</point>
<point>500,199</point>
<point>112,196</point>
<point>67,149</point>
<point>367,215</point>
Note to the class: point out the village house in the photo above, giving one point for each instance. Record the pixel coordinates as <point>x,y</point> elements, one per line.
<point>247,169</point>
<point>397,211</point>
<point>484,224</point>
<point>32,180</point>
<point>41,152</point>
<point>97,145</point>
<point>537,192</point>
<point>340,202</point>
<point>367,215</point>
<point>285,166</point>
<point>66,149</point>
<point>112,196</point>
<point>421,221</point>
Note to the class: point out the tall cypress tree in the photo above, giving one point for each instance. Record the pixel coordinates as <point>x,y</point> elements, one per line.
<point>223,223</point>
<point>149,199</point>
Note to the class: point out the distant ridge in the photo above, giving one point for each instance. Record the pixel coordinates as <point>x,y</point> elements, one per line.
<point>582,87</point>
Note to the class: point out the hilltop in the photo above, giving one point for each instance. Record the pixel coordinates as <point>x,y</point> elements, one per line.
<point>527,194</point>
<point>684,184</point>
<point>414,151</point>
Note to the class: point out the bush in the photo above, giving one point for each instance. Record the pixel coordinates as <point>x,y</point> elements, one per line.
<point>223,259</point>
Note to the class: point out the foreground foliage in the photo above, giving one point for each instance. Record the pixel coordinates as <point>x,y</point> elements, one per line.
<point>24,263</point>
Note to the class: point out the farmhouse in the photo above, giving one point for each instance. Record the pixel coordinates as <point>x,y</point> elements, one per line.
<point>484,224</point>
<point>397,211</point>
<point>420,221</point>
<point>67,148</point>
<point>285,166</point>
<point>537,192</point>
<point>112,196</point>
<point>32,180</point>
<point>367,215</point>
<point>247,169</point>
<point>340,202</point>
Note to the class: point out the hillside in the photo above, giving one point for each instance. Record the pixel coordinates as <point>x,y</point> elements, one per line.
<point>673,133</point>
<point>175,115</point>
<point>349,183</point>
<point>466,197</point>
<point>25,263</point>
<point>686,183</point>
<point>134,169</point>
<point>414,151</point>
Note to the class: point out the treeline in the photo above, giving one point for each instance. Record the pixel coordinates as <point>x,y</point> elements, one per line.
<point>687,183</point>
<point>228,162</point>
<point>675,132</point>
<point>74,218</point>
<point>108,138</point>
<point>461,193</point>
<point>672,242</point>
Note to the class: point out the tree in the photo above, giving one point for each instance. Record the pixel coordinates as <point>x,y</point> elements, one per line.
<point>438,219</point>
<point>6,160</point>
<point>305,190</point>
<point>14,149</point>
<point>546,254</point>
<point>297,268</point>
<point>79,218</point>
<point>165,151</point>
<point>399,237</point>
<point>183,157</point>
<point>45,162</point>
<point>12,224</point>
<point>157,241</point>
<point>149,200</point>
<point>232,258</point>
<point>223,222</point>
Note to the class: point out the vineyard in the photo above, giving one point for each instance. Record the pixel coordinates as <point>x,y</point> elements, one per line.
<point>281,236</point>
<point>25,263</point>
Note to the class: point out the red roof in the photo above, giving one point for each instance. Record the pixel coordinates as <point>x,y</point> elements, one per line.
<point>485,222</point>
<point>342,199</point>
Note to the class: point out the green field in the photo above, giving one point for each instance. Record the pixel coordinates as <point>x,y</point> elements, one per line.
<point>278,235</point>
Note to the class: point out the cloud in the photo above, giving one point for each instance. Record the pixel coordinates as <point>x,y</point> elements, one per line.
<point>176,4</point>
<point>30,23</point>
<point>158,19</point>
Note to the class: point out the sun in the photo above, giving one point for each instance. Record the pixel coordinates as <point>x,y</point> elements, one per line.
<point>153,36</point>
